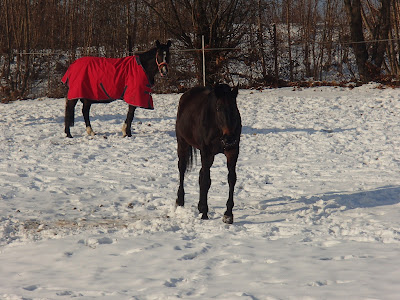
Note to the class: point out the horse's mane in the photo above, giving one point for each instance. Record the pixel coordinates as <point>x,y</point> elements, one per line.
<point>148,54</point>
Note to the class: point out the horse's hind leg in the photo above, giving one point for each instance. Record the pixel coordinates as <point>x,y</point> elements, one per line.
<point>184,152</point>
<point>231,156</point>
<point>69,115</point>
<point>85,112</point>
<point>127,127</point>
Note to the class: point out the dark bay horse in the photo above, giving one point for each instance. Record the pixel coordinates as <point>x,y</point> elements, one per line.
<point>208,120</point>
<point>103,80</point>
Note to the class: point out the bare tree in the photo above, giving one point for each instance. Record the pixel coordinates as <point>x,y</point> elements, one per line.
<point>221,22</point>
<point>369,66</point>
<point>38,38</point>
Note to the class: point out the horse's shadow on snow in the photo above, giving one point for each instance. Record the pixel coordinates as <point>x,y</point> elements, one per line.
<point>118,119</point>
<point>255,131</point>
<point>387,195</point>
<point>118,115</point>
<point>328,203</point>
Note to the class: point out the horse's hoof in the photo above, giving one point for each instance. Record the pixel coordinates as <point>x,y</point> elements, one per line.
<point>90,131</point>
<point>126,131</point>
<point>204,217</point>
<point>227,219</point>
<point>124,126</point>
<point>177,203</point>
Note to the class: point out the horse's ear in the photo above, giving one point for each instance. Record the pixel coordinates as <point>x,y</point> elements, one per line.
<point>169,43</point>
<point>235,91</point>
<point>158,44</point>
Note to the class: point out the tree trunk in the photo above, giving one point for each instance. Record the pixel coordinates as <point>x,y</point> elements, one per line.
<point>260,38</point>
<point>382,34</point>
<point>276,56</point>
<point>289,35</point>
<point>353,8</point>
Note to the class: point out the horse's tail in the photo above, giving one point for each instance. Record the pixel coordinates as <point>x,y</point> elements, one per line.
<point>191,158</point>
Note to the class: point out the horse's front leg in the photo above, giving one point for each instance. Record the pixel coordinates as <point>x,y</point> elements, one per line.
<point>127,127</point>
<point>85,111</point>
<point>231,156</point>
<point>205,182</point>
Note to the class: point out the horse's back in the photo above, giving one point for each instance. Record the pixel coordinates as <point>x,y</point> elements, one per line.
<point>85,78</point>
<point>104,79</point>
<point>189,118</point>
<point>192,100</point>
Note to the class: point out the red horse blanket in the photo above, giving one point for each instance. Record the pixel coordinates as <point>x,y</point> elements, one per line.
<point>99,78</point>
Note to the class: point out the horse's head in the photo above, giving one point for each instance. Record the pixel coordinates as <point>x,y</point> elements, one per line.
<point>227,115</point>
<point>162,57</point>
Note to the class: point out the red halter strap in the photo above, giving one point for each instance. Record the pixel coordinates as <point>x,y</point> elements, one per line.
<point>160,65</point>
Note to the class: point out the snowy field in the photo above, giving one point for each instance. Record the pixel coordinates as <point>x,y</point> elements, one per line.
<point>317,202</point>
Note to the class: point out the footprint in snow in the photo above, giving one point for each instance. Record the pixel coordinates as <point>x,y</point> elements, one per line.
<point>92,242</point>
<point>31,288</point>
<point>193,255</point>
<point>173,282</point>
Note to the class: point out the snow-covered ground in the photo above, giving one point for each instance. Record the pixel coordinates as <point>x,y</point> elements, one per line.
<point>317,202</point>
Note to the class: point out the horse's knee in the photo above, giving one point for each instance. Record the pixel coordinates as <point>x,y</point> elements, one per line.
<point>232,177</point>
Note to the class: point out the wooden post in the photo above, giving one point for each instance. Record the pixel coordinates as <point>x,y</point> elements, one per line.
<point>260,39</point>
<point>204,60</point>
<point>288,20</point>
<point>276,55</point>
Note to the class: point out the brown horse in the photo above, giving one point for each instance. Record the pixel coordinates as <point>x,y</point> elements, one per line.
<point>208,120</point>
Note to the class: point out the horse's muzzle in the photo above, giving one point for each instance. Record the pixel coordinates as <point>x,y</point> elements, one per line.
<point>229,141</point>
<point>164,71</point>
<point>163,68</point>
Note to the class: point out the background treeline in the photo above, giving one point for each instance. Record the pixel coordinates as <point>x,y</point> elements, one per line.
<point>250,42</point>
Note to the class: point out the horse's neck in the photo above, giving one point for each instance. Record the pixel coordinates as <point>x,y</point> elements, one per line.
<point>211,105</point>
<point>148,61</point>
